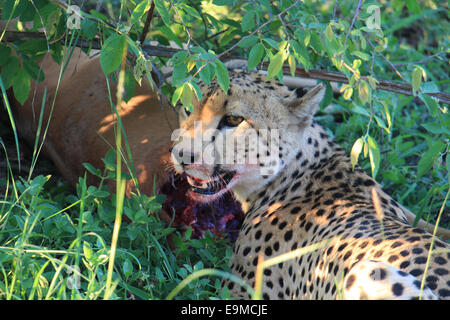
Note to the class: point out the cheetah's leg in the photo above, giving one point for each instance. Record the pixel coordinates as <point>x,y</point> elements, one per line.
<point>373,280</point>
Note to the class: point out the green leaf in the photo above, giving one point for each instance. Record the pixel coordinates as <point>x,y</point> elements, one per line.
<point>179,57</point>
<point>255,56</point>
<point>429,87</point>
<point>98,15</point>
<point>33,70</point>
<point>177,95</point>
<point>432,105</point>
<point>316,43</point>
<point>364,91</point>
<point>29,11</point>
<point>413,6</point>
<point>5,52</point>
<point>328,96</point>
<point>188,233</point>
<point>356,151</point>
<point>139,11</point>
<point>248,42</point>
<point>303,54</point>
<point>222,76</point>
<point>222,2</point>
<point>292,65</point>
<point>90,168</point>
<point>275,65</point>
<point>362,55</point>
<point>435,128</point>
<point>33,47</point>
<point>163,12</point>
<point>191,11</point>
<point>187,95</point>
<point>271,43</point>
<point>21,85</point>
<point>207,73</point>
<point>429,157</point>
<point>112,53</point>
<point>304,36</point>
<point>129,85</point>
<point>87,250</point>
<point>360,110</point>
<point>168,33</point>
<point>7,10</point>
<point>179,73</point>
<point>57,52</point>
<point>197,90</point>
<point>374,155</point>
<point>110,160</point>
<point>88,28</point>
<point>416,80</point>
<point>248,21</point>
<point>381,123</point>
<point>127,268</point>
<point>9,70</point>
<point>329,32</point>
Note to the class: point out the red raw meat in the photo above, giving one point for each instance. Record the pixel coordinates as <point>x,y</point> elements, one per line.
<point>223,216</point>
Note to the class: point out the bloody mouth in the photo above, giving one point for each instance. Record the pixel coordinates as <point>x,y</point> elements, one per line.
<point>222,217</point>
<point>212,186</point>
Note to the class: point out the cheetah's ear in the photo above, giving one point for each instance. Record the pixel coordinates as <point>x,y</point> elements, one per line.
<point>304,108</point>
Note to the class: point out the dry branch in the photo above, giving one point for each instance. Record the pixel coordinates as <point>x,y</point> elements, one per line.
<point>160,51</point>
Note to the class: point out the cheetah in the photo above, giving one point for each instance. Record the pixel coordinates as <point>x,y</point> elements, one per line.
<point>297,187</point>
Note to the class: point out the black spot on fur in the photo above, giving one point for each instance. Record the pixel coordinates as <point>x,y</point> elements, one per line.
<point>397,289</point>
<point>288,235</point>
<point>378,274</point>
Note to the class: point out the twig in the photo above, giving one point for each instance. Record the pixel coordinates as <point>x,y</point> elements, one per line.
<point>216,34</point>
<point>350,29</point>
<point>386,85</point>
<point>423,61</point>
<point>353,23</point>
<point>385,59</point>
<point>335,10</point>
<point>392,86</point>
<point>147,23</point>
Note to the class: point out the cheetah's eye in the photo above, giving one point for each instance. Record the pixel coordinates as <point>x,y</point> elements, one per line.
<point>232,121</point>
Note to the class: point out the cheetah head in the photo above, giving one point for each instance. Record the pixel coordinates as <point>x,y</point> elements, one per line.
<point>240,140</point>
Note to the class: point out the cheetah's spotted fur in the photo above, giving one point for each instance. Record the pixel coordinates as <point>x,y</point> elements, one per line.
<point>314,196</point>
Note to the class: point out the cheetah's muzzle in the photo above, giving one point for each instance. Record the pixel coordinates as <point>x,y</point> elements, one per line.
<point>213,186</point>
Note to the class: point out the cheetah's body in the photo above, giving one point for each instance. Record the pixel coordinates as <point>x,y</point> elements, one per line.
<point>315,195</point>
<point>323,199</point>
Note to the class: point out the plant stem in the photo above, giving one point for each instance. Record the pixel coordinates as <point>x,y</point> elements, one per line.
<point>120,181</point>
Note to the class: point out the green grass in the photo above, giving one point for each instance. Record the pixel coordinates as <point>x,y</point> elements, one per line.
<point>39,256</point>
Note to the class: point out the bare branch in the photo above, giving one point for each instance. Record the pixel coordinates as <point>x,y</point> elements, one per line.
<point>392,86</point>
<point>358,8</point>
<point>385,59</point>
<point>147,23</point>
<point>423,61</point>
